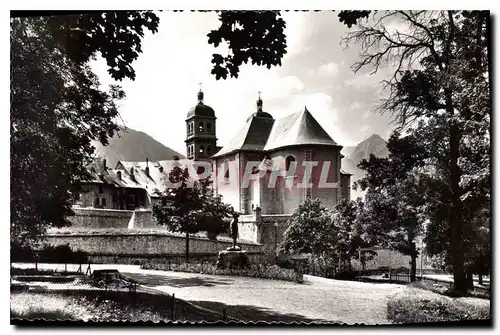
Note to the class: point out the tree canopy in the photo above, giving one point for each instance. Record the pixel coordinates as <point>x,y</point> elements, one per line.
<point>190,206</point>
<point>57,108</point>
<point>439,96</point>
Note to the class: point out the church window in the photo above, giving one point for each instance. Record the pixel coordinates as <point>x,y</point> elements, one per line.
<point>209,128</point>
<point>226,170</point>
<point>189,128</point>
<point>288,163</point>
<point>103,202</point>
<point>202,125</point>
<point>202,149</point>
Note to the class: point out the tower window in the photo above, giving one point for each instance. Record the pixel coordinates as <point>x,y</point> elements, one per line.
<point>209,128</point>
<point>192,127</point>
<point>188,128</point>
<point>288,162</point>
<point>202,125</point>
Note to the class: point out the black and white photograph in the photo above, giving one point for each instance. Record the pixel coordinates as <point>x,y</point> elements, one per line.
<point>275,167</point>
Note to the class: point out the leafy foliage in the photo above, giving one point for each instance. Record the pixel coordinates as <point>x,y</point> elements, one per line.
<point>443,104</point>
<point>258,37</point>
<point>331,237</point>
<point>310,230</point>
<point>57,108</point>
<point>190,206</point>
<point>351,17</point>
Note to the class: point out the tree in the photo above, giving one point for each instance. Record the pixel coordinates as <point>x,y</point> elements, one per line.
<point>440,87</point>
<point>450,49</point>
<point>310,231</point>
<point>57,108</point>
<point>256,36</point>
<point>393,183</point>
<point>190,206</point>
<point>350,225</point>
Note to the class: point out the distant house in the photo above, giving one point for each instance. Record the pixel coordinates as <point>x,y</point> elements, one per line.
<point>129,186</point>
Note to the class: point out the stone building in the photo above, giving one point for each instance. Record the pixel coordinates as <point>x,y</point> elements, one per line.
<point>265,172</point>
<point>267,164</point>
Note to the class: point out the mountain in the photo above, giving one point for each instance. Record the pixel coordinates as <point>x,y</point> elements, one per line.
<point>375,145</point>
<point>132,145</point>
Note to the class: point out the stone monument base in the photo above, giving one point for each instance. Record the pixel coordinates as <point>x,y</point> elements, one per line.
<point>232,258</point>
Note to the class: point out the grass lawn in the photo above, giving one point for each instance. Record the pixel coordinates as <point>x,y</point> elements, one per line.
<point>444,288</point>
<point>91,305</point>
<point>414,305</point>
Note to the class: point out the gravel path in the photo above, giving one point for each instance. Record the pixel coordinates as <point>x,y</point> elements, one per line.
<point>253,299</point>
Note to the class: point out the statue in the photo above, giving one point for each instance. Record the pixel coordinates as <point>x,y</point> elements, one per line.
<point>233,257</point>
<point>234,228</point>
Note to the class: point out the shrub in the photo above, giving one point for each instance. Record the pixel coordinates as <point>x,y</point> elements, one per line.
<point>254,270</point>
<point>21,254</point>
<point>61,254</point>
<point>417,308</point>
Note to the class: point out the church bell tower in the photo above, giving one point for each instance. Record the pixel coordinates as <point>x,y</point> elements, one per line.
<point>201,140</point>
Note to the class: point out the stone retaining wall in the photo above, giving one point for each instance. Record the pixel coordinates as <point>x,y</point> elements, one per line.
<point>142,244</point>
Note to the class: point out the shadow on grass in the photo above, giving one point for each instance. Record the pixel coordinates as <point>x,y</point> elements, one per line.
<point>247,313</point>
<point>103,306</point>
<point>446,291</point>
<point>161,280</point>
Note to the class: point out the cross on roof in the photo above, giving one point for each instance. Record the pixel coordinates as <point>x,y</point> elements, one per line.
<point>200,85</point>
<point>259,93</point>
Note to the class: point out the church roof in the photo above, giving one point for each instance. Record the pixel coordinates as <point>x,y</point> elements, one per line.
<point>201,110</point>
<point>264,133</point>
<point>298,129</point>
<point>252,136</point>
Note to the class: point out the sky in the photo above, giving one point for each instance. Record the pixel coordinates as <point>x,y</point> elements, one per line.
<point>315,73</point>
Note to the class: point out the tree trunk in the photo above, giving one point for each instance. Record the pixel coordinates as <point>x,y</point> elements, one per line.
<point>455,217</point>
<point>413,249</point>
<point>187,247</point>
<point>413,271</point>
<point>469,279</point>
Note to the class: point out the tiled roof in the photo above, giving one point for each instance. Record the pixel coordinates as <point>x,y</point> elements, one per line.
<point>158,171</point>
<point>264,133</point>
<point>140,179</point>
<point>252,136</point>
<point>298,129</point>
<point>201,110</point>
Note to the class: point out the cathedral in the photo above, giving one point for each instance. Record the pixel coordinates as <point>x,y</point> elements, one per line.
<point>271,164</point>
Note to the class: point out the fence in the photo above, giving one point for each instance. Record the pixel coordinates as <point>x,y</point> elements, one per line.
<point>106,293</point>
